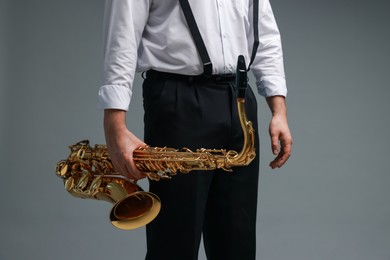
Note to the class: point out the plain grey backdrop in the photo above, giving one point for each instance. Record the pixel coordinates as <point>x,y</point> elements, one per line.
<point>332,199</point>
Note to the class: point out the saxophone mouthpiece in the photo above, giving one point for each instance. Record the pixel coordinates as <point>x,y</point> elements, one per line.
<point>241,77</point>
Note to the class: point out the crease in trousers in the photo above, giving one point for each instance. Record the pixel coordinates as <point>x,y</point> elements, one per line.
<point>219,205</point>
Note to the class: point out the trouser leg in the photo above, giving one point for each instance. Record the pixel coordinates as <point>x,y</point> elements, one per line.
<point>230,216</point>
<point>185,115</point>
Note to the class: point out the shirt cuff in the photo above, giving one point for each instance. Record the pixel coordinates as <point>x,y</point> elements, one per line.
<point>269,86</point>
<point>114,97</point>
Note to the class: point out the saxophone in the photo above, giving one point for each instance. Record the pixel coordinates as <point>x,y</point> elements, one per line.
<point>88,171</point>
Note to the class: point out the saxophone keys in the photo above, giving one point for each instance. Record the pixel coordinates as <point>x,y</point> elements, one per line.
<point>75,167</point>
<point>81,153</point>
<point>69,184</point>
<point>107,164</point>
<point>62,168</point>
<point>83,182</point>
<point>161,173</point>
<point>96,183</point>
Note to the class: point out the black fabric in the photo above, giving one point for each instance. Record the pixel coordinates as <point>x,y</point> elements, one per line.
<point>220,79</point>
<point>255,31</point>
<point>222,205</point>
<point>197,37</point>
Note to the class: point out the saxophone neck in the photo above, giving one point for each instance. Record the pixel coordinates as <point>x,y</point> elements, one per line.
<point>247,153</point>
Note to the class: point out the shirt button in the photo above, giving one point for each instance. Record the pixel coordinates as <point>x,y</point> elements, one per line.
<point>220,4</point>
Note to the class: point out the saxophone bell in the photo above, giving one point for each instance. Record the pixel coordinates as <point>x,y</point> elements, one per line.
<point>88,173</point>
<point>135,210</point>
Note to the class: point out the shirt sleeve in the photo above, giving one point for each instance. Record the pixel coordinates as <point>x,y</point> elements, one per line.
<point>268,67</point>
<point>124,22</point>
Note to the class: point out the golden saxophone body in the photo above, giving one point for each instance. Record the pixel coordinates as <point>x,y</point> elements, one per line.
<point>88,171</point>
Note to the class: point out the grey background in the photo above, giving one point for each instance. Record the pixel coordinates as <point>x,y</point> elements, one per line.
<point>331,201</point>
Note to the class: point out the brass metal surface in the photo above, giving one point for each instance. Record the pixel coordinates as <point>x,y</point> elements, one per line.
<point>89,174</point>
<point>88,171</point>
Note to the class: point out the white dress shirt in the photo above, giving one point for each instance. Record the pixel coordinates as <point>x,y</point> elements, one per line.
<point>140,35</point>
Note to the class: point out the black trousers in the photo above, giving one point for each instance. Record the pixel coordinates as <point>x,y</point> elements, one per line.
<point>220,205</point>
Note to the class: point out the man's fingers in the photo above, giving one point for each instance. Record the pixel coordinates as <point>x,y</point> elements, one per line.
<point>282,157</point>
<point>134,172</point>
<point>123,164</point>
<point>285,156</point>
<point>275,144</point>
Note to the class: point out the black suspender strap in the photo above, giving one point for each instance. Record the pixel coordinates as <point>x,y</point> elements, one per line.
<point>255,6</point>
<point>207,65</point>
<point>201,47</point>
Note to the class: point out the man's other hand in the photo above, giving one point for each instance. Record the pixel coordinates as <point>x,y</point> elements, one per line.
<point>281,140</point>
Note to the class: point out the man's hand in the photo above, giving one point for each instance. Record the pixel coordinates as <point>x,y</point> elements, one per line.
<point>281,140</point>
<point>121,143</point>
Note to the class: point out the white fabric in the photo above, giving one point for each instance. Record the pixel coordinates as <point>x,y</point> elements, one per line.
<point>152,34</point>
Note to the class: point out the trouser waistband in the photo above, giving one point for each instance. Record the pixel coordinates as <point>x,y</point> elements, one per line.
<point>219,79</point>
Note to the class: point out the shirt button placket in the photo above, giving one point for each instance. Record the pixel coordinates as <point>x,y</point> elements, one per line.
<point>223,34</point>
